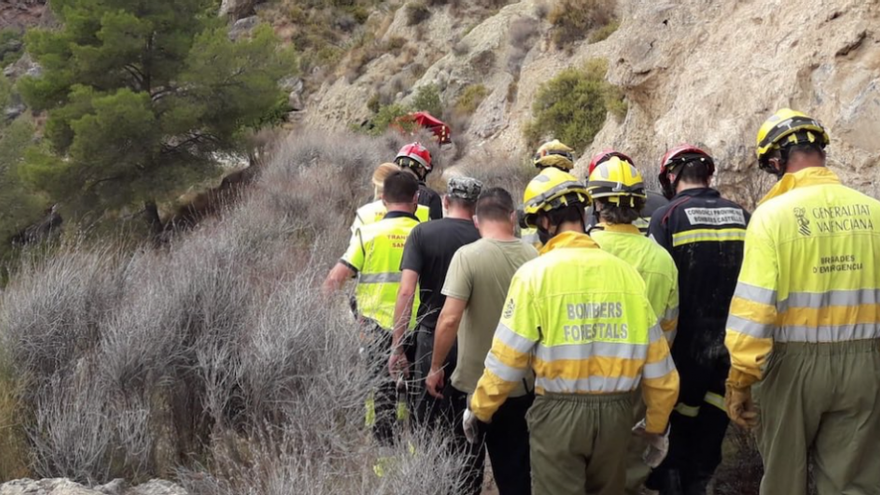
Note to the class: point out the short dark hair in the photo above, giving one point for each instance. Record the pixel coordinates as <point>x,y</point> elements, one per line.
<point>805,148</point>
<point>695,172</point>
<point>620,215</point>
<point>495,204</point>
<point>570,213</point>
<point>400,187</point>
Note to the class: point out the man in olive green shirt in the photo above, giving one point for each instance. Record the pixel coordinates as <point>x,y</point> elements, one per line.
<point>476,287</point>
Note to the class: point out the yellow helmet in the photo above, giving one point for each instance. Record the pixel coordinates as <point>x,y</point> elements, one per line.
<point>554,154</point>
<point>618,181</point>
<point>787,127</point>
<point>549,190</point>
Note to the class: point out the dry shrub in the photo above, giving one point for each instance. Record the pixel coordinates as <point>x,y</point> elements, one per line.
<point>602,33</point>
<point>416,13</point>
<point>511,173</point>
<point>13,441</point>
<point>484,62</point>
<point>470,98</point>
<point>522,32</point>
<point>521,36</point>
<point>512,90</point>
<point>572,20</point>
<point>216,351</point>
<point>395,44</point>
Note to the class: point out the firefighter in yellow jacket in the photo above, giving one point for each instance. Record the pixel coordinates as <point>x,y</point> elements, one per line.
<point>552,154</point>
<point>804,325</point>
<point>374,256</point>
<point>618,194</point>
<point>580,318</point>
<point>375,210</point>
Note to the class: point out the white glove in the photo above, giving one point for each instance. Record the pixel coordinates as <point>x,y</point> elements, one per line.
<point>469,424</point>
<point>658,444</point>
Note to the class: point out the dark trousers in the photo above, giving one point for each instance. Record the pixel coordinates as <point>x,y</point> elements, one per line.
<point>506,439</point>
<point>426,409</point>
<point>698,429</point>
<point>375,351</point>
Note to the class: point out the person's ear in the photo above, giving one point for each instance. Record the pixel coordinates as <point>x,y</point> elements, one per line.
<point>543,222</point>
<point>476,222</point>
<point>776,163</point>
<point>446,202</point>
<point>415,199</point>
<point>514,219</point>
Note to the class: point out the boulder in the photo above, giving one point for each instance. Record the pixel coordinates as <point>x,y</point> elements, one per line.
<point>64,486</point>
<point>238,9</point>
<point>243,27</point>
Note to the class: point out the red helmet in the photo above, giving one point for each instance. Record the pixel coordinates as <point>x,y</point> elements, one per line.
<point>603,156</point>
<point>677,156</point>
<point>414,152</point>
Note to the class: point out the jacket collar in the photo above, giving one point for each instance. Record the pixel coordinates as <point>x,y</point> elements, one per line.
<point>569,240</point>
<point>623,228</point>
<point>698,191</point>
<point>400,214</point>
<point>812,176</point>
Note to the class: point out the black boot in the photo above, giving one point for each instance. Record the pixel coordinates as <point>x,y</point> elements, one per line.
<point>666,481</point>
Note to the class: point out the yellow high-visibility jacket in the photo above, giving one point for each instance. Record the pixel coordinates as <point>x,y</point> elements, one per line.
<point>580,318</point>
<point>374,254</point>
<point>375,211</point>
<point>811,271</point>
<point>653,263</point>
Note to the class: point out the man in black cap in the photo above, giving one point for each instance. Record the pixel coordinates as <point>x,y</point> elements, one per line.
<point>426,258</point>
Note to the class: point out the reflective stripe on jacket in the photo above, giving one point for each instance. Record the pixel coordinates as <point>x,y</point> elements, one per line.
<point>375,211</point>
<point>374,253</point>
<point>580,318</point>
<point>705,235</point>
<point>811,271</point>
<point>653,263</point>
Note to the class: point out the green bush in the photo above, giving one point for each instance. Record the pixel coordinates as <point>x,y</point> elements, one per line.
<point>604,32</point>
<point>427,99</point>
<point>11,46</point>
<point>573,105</point>
<point>572,20</point>
<point>470,98</point>
<point>385,116</point>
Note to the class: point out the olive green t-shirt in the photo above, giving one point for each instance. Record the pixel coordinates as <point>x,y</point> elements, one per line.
<point>480,274</point>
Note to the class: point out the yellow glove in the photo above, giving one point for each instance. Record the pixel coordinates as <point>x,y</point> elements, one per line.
<point>740,406</point>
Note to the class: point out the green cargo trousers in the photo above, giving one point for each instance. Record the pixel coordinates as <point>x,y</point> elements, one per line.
<point>578,443</point>
<point>636,469</point>
<point>824,398</point>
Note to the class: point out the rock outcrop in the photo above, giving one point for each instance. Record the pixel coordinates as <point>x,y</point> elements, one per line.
<point>707,73</point>
<point>63,486</point>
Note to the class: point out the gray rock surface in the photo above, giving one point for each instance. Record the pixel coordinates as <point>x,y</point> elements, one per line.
<point>63,486</point>
<point>691,71</point>
<point>237,9</point>
<point>243,26</point>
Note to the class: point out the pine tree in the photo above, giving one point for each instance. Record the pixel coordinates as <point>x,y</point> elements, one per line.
<point>18,207</point>
<point>142,97</point>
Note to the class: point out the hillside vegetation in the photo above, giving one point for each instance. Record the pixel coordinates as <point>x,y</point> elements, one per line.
<point>213,361</point>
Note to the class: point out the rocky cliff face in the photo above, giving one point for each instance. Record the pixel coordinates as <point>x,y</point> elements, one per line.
<point>691,70</point>
<point>19,14</point>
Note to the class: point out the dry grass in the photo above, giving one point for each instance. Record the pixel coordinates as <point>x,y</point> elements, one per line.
<point>208,357</point>
<point>572,20</point>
